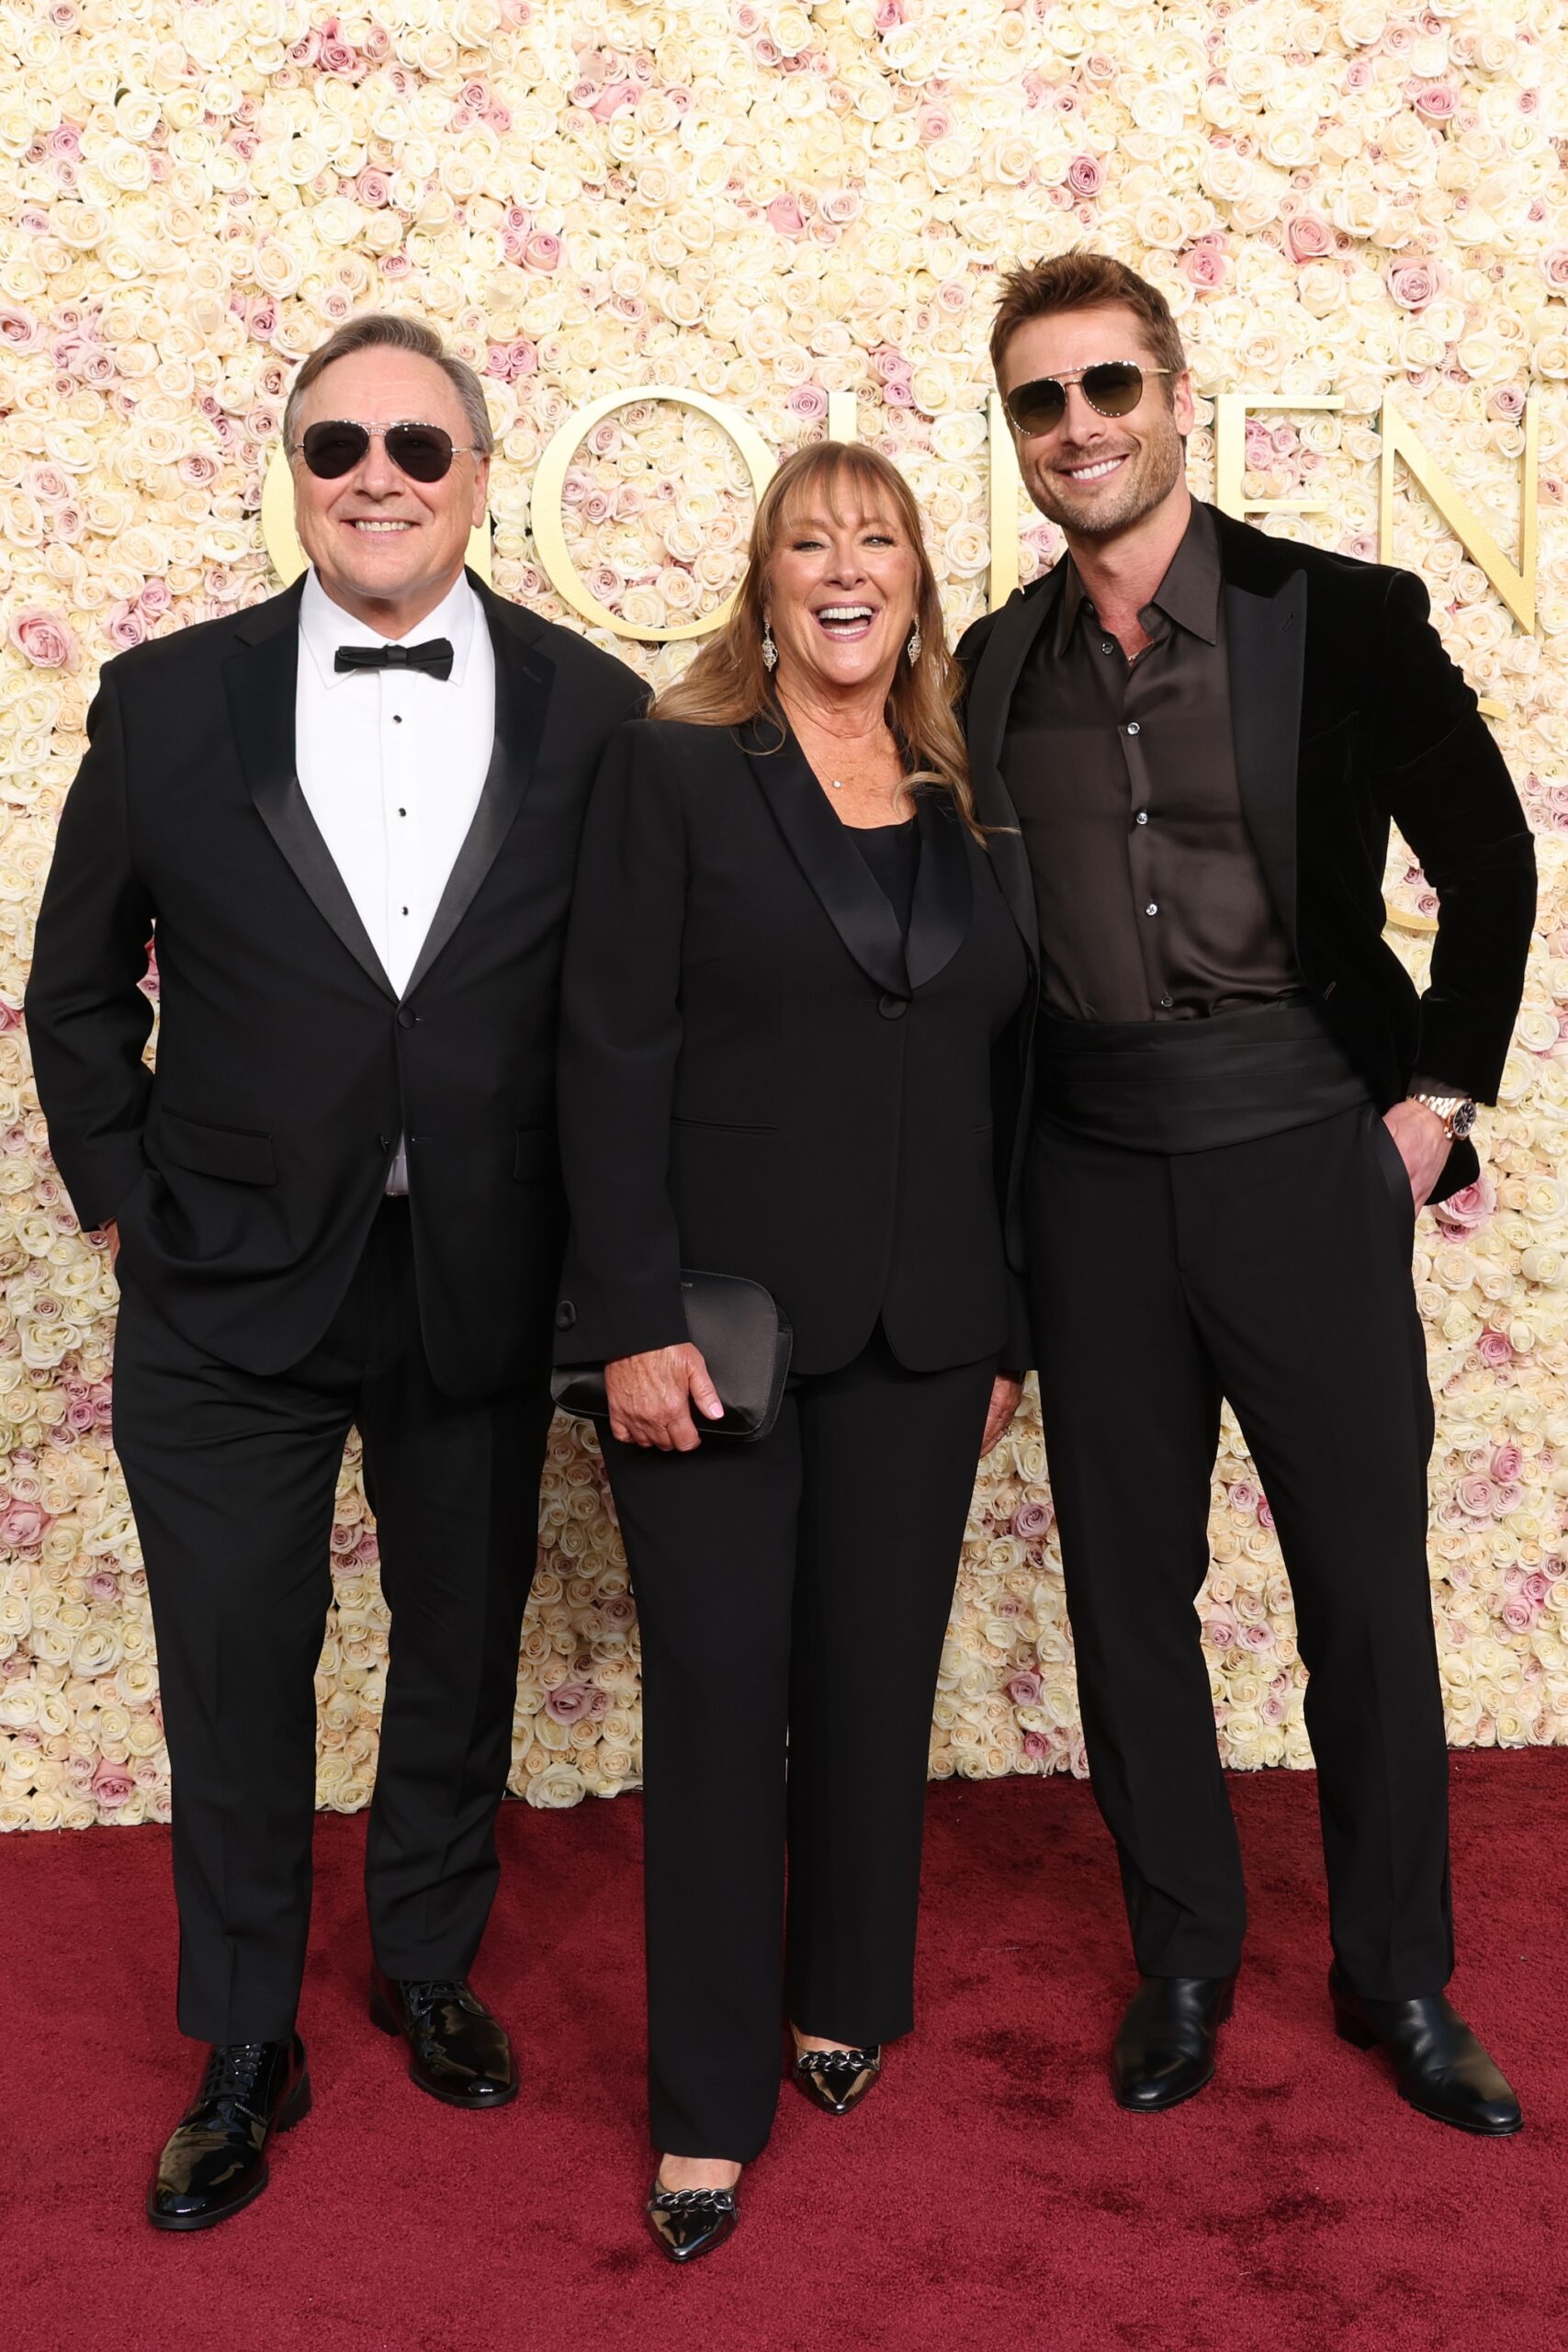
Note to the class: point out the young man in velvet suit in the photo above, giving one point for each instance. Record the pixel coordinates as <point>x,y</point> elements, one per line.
<point>1201,734</point>
<point>349,817</point>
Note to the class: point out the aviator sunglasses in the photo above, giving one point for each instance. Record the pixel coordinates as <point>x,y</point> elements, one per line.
<point>1112,388</point>
<point>423,452</point>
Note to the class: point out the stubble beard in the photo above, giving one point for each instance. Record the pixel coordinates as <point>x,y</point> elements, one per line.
<point>1147,479</point>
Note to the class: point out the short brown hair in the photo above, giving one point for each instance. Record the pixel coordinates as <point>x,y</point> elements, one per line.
<point>389,330</point>
<point>1084,280</point>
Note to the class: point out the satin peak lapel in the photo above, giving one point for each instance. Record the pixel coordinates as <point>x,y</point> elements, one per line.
<point>260,680</point>
<point>523,680</point>
<point>1008,646</point>
<point>944,889</point>
<point>1266,650</point>
<point>851,898</point>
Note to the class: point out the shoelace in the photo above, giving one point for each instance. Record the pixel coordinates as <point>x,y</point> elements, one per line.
<point>422,1997</point>
<point>233,2072</point>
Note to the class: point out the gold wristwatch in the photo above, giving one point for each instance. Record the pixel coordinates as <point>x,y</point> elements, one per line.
<point>1457,1113</point>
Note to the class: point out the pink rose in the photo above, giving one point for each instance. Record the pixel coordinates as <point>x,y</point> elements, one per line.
<point>1085,176</point>
<point>23,1524</point>
<point>1031,1521</point>
<point>1413,283</point>
<point>569,1703</point>
<point>613,99</point>
<point>936,122</point>
<point>1035,1744</point>
<point>542,252</point>
<point>1308,237</point>
<point>1265,1516</point>
<point>807,401</point>
<point>1469,1208</point>
<point>889,364</point>
<point>1024,1689</point>
<point>1554,267</point>
<point>373,188</point>
<point>112,1785</point>
<point>786,215</point>
<point>1517,1614</point>
<point>48,642</point>
<point>1437,102</point>
<point>19,331</point>
<point>125,625</point>
<point>1204,267</point>
<point>1219,1632</point>
<point>1494,1348</point>
<point>1506,1464</point>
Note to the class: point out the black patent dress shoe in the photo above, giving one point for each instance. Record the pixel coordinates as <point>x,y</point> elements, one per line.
<point>836,2080</point>
<point>1439,2065</point>
<point>458,2052</point>
<point>214,2163</point>
<point>1164,2051</point>
<point>686,2222</point>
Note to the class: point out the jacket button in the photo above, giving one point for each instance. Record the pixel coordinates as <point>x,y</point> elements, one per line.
<point>893,1008</point>
<point>406,1019</point>
<point>566,1316</point>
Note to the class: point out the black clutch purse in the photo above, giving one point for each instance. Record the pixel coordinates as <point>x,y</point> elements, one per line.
<point>744,1342</point>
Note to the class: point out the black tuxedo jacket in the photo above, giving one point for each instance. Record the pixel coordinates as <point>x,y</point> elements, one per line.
<point>1347,713</point>
<point>758,1076</point>
<point>245,1174</point>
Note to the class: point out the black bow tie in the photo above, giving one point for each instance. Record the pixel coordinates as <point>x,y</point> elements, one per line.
<point>434,656</point>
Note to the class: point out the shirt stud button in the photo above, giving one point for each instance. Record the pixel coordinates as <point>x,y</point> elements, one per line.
<point>1106,646</point>
<point>1134,728</point>
<point>397,718</point>
<point>1142,817</point>
<point>1167,1003</point>
<point>1151,909</point>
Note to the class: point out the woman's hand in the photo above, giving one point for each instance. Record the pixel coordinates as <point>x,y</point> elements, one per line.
<point>1006,1394</point>
<point>647,1398</point>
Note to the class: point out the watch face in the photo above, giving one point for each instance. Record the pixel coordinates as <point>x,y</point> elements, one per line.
<point>1462,1120</point>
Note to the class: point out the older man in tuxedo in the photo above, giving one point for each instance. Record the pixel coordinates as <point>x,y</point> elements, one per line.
<point>348,819</point>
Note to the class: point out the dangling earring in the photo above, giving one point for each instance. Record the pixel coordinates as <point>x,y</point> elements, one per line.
<point>913,648</point>
<point>770,650</point>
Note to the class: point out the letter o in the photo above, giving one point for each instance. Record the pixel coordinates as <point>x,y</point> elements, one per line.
<point>550,481</point>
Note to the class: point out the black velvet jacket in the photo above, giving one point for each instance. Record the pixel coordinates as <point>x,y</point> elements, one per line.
<point>1347,713</point>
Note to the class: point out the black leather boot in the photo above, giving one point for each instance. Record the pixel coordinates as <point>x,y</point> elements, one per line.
<point>1165,2050</point>
<point>1439,2065</point>
<point>458,2051</point>
<point>214,2163</point>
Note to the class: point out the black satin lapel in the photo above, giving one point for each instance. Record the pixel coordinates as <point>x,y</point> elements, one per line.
<point>852,898</point>
<point>523,680</point>
<point>261,681</point>
<point>1018,627</point>
<point>944,891</point>
<point>1265,649</point>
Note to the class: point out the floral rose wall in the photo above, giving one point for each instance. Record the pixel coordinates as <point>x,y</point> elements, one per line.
<point>767,204</point>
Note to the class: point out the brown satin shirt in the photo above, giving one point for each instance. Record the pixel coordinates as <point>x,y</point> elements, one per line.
<point>1152,903</point>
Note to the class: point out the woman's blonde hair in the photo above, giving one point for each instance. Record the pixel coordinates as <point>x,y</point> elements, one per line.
<point>729,683</point>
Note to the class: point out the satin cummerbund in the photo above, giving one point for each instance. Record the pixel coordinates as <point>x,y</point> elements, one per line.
<point>1174,1086</point>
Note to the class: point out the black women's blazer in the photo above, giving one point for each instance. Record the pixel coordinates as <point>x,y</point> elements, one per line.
<point>1346,713</point>
<point>759,1077</point>
<point>246,1175</point>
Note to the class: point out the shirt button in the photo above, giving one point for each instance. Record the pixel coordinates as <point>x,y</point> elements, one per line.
<point>1107,646</point>
<point>1134,728</point>
<point>1151,909</point>
<point>1142,817</point>
<point>1167,1003</point>
<point>397,720</point>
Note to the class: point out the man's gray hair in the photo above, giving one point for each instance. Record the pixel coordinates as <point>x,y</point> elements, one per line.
<point>387,331</point>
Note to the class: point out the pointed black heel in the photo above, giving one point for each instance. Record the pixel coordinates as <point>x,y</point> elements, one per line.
<point>688,2223</point>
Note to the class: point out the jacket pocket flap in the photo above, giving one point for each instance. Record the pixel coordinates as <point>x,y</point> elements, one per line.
<point>538,1156</point>
<point>236,1154</point>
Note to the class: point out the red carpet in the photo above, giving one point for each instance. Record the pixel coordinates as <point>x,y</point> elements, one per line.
<point>987,2196</point>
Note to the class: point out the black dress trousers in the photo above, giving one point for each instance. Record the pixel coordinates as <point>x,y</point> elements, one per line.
<point>232,1478</point>
<point>792,1595</point>
<point>1275,1273</point>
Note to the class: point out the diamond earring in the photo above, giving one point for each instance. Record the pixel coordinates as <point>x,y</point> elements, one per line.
<point>913,648</point>
<point>770,650</point>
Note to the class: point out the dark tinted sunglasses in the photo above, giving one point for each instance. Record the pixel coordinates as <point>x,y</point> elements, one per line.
<point>335,446</point>
<point>1112,388</point>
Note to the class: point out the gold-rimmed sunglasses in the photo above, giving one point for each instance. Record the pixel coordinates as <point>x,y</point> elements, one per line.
<point>1112,388</point>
